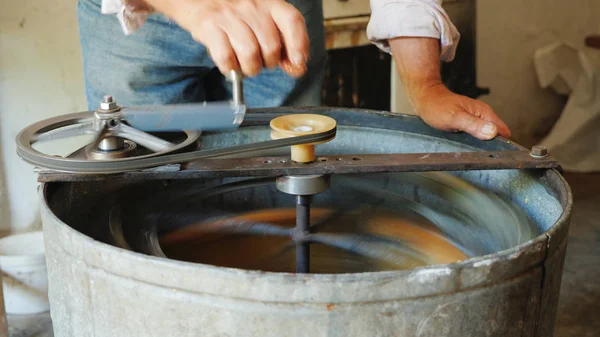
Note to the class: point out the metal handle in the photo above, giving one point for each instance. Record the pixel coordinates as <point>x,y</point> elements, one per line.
<point>206,116</point>
<point>238,87</point>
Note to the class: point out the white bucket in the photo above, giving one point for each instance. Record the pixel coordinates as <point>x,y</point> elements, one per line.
<point>24,274</point>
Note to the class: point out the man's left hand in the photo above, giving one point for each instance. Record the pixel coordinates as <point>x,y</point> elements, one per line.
<point>445,110</point>
<point>418,63</point>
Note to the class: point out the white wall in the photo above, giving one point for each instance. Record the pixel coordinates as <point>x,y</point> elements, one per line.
<point>4,209</point>
<point>40,71</point>
<point>509,31</point>
<point>40,76</point>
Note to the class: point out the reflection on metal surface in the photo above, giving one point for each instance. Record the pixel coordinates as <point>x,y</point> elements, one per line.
<point>357,241</point>
<point>364,223</point>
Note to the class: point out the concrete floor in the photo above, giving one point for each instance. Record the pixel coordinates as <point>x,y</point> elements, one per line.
<point>580,292</point>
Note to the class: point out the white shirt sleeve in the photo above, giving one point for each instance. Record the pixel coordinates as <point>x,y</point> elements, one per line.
<point>415,18</point>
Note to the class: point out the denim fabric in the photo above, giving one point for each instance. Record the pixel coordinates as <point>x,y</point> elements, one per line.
<point>162,64</point>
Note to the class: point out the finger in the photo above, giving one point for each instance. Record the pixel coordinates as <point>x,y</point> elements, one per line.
<point>266,33</point>
<point>487,113</point>
<point>245,45</point>
<point>220,50</point>
<point>292,26</point>
<point>475,126</point>
<point>292,69</point>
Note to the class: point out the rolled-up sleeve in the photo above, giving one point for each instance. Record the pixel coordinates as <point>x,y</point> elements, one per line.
<point>412,18</point>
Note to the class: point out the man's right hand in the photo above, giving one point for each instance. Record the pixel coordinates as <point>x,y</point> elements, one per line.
<point>244,35</point>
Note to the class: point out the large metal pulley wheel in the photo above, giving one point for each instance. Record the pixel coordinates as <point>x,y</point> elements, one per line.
<point>114,139</point>
<point>123,137</point>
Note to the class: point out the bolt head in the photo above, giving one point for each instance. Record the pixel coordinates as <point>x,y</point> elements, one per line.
<point>539,151</point>
<point>108,103</point>
<point>108,106</point>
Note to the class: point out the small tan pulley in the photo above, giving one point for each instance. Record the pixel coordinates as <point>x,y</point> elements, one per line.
<point>295,125</point>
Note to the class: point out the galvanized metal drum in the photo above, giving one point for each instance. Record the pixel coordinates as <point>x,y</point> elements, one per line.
<point>109,276</point>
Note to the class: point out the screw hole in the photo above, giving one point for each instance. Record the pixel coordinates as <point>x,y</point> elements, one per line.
<point>113,123</point>
<point>492,156</point>
<point>322,159</point>
<point>282,162</point>
<point>338,159</point>
<point>267,162</point>
<point>356,158</point>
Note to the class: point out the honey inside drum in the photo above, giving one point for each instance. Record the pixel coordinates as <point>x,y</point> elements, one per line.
<point>360,241</point>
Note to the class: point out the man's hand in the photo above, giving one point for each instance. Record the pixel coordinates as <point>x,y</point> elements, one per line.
<point>244,35</point>
<point>419,67</point>
<point>445,110</point>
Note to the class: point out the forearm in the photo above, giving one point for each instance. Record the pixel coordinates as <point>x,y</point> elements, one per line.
<point>418,64</point>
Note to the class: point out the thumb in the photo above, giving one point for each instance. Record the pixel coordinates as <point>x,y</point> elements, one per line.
<point>475,126</point>
<point>485,112</point>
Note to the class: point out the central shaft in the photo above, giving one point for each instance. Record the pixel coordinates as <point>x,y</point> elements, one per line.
<point>303,188</point>
<point>301,231</point>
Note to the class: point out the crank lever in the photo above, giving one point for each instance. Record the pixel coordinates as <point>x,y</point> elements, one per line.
<point>205,116</point>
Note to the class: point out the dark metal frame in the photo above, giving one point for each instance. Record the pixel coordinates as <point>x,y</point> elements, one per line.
<point>346,164</point>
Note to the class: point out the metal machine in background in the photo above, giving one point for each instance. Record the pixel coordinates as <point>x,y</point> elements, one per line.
<point>119,212</point>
